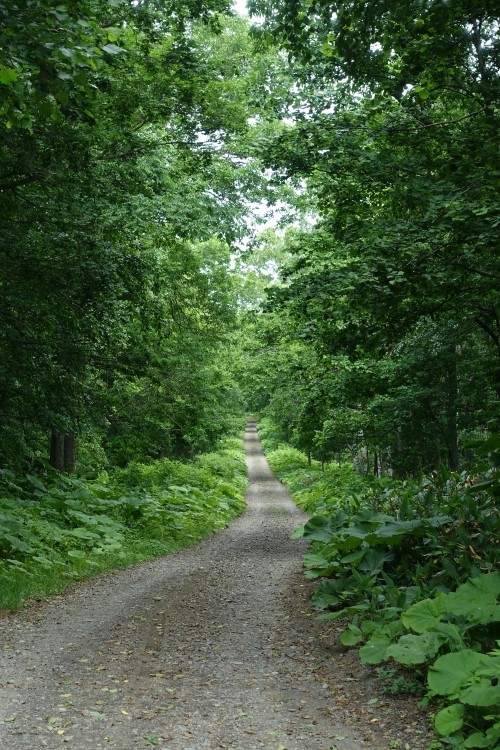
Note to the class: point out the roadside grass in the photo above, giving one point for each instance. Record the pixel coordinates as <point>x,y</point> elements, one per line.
<point>20,587</point>
<point>58,530</point>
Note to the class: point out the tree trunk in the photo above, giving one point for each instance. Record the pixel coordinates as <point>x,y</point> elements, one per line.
<point>57,450</point>
<point>69,452</point>
<point>451,412</point>
<point>63,451</point>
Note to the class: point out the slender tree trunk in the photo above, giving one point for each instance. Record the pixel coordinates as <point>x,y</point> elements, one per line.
<point>451,411</point>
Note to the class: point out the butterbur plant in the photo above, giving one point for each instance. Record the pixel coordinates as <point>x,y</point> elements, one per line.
<point>413,572</point>
<point>459,629</point>
<point>471,680</point>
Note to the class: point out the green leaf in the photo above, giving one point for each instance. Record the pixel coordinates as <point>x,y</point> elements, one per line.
<point>112,49</point>
<point>484,690</point>
<point>451,672</point>
<point>352,636</point>
<point>449,719</point>
<point>353,557</point>
<point>315,560</point>
<point>415,649</point>
<point>17,544</point>
<point>490,738</point>
<point>344,612</point>
<point>8,75</point>
<point>375,650</point>
<point>374,559</point>
<point>326,595</point>
<point>318,529</point>
<point>78,554</point>
<point>424,615</point>
<point>37,483</point>
<point>476,600</point>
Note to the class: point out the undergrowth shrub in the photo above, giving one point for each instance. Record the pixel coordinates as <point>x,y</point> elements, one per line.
<point>58,527</point>
<point>410,569</point>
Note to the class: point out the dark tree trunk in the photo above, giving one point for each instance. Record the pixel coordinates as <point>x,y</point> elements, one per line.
<point>451,412</point>
<point>57,450</point>
<point>69,452</point>
<point>63,451</point>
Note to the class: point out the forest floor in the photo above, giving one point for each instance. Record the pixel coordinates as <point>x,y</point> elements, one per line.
<point>213,647</point>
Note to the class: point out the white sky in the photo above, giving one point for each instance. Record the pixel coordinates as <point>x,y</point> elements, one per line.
<point>240,6</point>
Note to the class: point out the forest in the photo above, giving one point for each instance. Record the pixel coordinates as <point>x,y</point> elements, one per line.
<point>293,216</point>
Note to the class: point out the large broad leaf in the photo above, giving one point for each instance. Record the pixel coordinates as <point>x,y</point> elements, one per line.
<point>358,530</point>
<point>312,573</point>
<point>318,529</point>
<point>394,532</point>
<point>83,534</point>
<point>437,521</point>
<point>476,600</point>
<point>482,692</point>
<point>451,634</point>
<point>316,560</point>
<point>323,528</point>
<point>453,672</point>
<point>353,557</point>
<point>450,719</point>
<point>17,544</point>
<point>490,738</point>
<point>324,599</point>
<point>326,594</point>
<point>374,559</point>
<point>352,636</point>
<point>298,533</point>
<point>367,516</point>
<point>424,615</point>
<point>375,650</point>
<point>345,543</point>
<point>415,649</point>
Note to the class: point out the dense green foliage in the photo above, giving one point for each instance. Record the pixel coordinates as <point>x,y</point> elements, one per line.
<point>380,341</point>
<point>125,174</point>
<point>386,317</point>
<point>410,571</point>
<point>141,313</point>
<point>124,178</point>
<point>62,529</point>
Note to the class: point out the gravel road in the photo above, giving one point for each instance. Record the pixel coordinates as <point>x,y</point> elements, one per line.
<point>201,650</point>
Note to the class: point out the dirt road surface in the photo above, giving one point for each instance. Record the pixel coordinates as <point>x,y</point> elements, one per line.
<point>205,649</point>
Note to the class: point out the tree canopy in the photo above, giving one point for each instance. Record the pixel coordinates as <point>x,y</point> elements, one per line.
<point>138,310</point>
<point>393,291</point>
